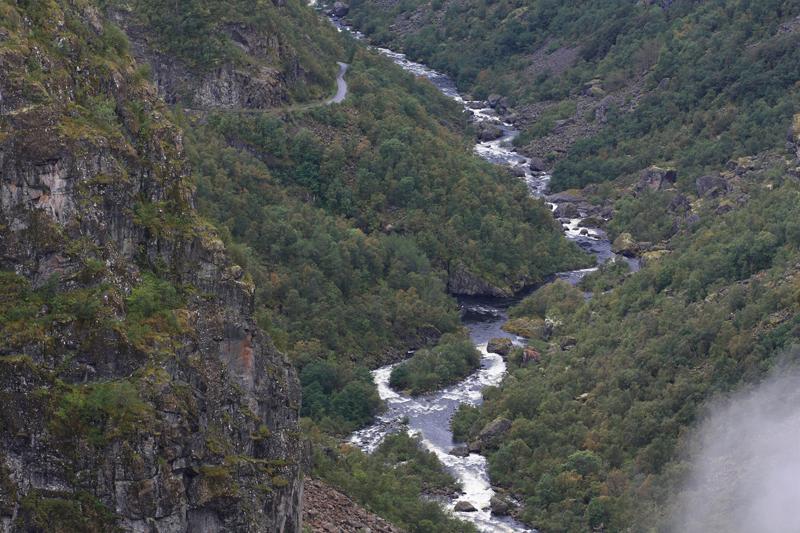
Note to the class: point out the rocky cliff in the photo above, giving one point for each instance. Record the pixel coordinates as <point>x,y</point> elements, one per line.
<point>138,393</point>
<point>230,55</point>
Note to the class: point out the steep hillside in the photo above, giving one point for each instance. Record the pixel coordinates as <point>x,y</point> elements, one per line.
<point>138,392</point>
<point>604,89</point>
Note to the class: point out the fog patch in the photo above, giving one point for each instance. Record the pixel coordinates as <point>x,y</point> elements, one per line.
<point>745,471</point>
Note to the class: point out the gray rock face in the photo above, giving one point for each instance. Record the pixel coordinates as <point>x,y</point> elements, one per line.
<point>461,281</point>
<point>537,164</point>
<point>710,186</point>
<point>261,85</point>
<point>494,429</point>
<point>679,204</point>
<point>656,179</point>
<point>212,444</point>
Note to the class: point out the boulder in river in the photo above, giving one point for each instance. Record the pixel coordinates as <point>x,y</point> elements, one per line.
<point>340,9</point>
<point>460,451</point>
<point>488,132</point>
<point>500,346</point>
<point>567,210</point>
<point>518,172</point>
<point>479,311</point>
<point>592,222</point>
<point>498,506</point>
<point>625,245</point>
<point>493,100</point>
<point>564,197</point>
<point>656,179</point>
<point>503,105</point>
<point>464,506</point>
<point>537,164</point>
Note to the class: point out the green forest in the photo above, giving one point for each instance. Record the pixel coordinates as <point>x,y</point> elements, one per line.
<point>201,261</point>
<point>350,217</point>
<point>698,84</point>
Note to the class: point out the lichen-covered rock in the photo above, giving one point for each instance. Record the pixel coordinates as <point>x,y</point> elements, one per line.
<point>654,256</point>
<point>137,391</point>
<point>625,244</point>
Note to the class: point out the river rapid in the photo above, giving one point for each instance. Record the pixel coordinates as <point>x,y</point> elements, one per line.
<point>428,416</point>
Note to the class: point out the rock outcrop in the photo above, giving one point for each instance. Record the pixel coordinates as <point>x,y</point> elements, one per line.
<point>488,132</point>
<point>490,433</point>
<point>500,346</point>
<point>461,281</point>
<point>340,9</point>
<point>656,179</point>
<point>260,82</point>
<point>138,393</point>
<point>625,244</point>
<point>794,136</point>
<point>710,186</point>
<point>499,506</point>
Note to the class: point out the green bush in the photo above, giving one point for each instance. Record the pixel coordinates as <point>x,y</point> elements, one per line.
<point>454,358</point>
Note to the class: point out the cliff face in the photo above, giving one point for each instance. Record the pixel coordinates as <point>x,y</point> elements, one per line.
<point>137,391</point>
<point>230,55</point>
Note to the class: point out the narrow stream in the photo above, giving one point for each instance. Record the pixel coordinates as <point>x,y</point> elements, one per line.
<point>428,416</point>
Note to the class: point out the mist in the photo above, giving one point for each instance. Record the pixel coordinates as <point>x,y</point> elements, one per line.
<point>745,469</point>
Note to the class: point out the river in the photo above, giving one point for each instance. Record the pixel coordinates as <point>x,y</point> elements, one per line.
<point>428,416</point>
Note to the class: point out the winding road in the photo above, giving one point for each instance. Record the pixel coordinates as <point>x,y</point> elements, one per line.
<point>341,85</point>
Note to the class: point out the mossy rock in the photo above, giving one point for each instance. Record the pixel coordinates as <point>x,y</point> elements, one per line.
<point>528,327</point>
<point>500,346</point>
<point>625,244</point>
<point>653,257</point>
